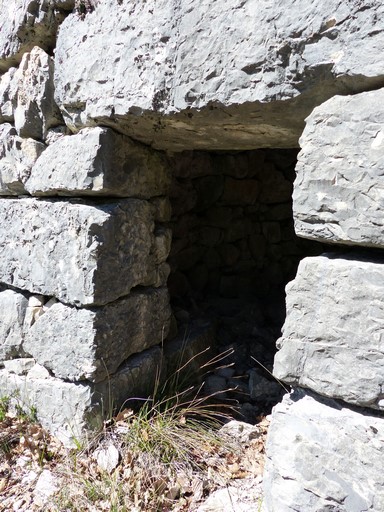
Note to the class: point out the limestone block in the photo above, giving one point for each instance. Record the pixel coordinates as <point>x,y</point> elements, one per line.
<point>27,96</point>
<point>333,337</point>
<point>66,409</point>
<point>136,378</point>
<point>98,161</point>
<point>90,344</point>
<point>28,23</point>
<point>71,410</point>
<point>321,456</point>
<point>13,308</point>
<point>339,190</point>
<point>8,88</point>
<point>78,252</point>
<point>17,157</point>
<point>226,85</point>
<point>19,366</point>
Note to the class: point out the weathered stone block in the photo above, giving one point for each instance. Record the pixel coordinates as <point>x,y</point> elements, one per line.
<point>333,336</point>
<point>338,194</point>
<point>66,409</point>
<point>79,252</point>
<point>90,344</point>
<point>245,88</point>
<point>70,410</point>
<point>13,307</point>
<point>27,23</point>
<point>321,456</point>
<point>98,161</point>
<point>27,96</point>
<point>17,157</point>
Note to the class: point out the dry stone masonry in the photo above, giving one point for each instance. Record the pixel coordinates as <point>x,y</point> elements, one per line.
<point>147,158</point>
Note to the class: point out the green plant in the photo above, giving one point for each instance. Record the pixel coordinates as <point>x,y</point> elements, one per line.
<point>4,405</point>
<point>26,413</point>
<point>165,446</point>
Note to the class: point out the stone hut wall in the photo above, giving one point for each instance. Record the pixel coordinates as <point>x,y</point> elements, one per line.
<point>89,104</point>
<point>232,224</point>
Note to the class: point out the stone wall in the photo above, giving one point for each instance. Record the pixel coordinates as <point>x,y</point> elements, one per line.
<point>89,102</point>
<point>232,224</point>
<point>331,347</point>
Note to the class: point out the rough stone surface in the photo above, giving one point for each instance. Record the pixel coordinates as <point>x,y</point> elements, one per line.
<point>333,337</point>
<point>28,95</point>
<point>19,366</point>
<point>98,161</point>
<point>135,379</point>
<point>28,23</point>
<point>323,457</point>
<point>226,85</point>
<point>13,308</point>
<point>98,339</point>
<point>17,157</point>
<point>79,252</point>
<point>338,194</point>
<point>70,410</point>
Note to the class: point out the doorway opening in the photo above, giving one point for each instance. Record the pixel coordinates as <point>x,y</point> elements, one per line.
<point>234,249</point>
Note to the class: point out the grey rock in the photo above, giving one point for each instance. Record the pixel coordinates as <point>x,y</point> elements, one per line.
<point>243,495</point>
<point>17,157</point>
<point>162,209</point>
<point>338,191</point>
<point>28,23</point>
<point>38,372</point>
<point>223,85</point>
<point>263,389</point>
<point>239,431</point>
<point>67,410</point>
<point>71,411</point>
<point>107,457</point>
<point>98,339</point>
<point>8,92</point>
<point>136,379</point>
<point>20,366</point>
<point>79,252</point>
<point>46,485</point>
<point>26,96</point>
<point>216,386</point>
<point>332,339</point>
<point>321,456</point>
<point>98,161</point>
<point>13,308</point>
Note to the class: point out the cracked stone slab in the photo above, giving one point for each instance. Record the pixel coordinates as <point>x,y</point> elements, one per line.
<point>333,337</point>
<point>322,456</point>
<point>177,75</point>
<point>99,161</point>
<point>81,253</point>
<point>338,194</point>
<point>90,344</point>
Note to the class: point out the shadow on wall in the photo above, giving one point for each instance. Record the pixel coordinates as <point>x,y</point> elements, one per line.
<point>234,249</point>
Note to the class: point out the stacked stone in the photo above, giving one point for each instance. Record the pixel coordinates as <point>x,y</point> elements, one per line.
<point>233,233</point>
<point>326,438</point>
<point>83,249</point>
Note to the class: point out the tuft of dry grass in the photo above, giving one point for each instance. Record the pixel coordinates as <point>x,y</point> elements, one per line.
<point>166,455</point>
